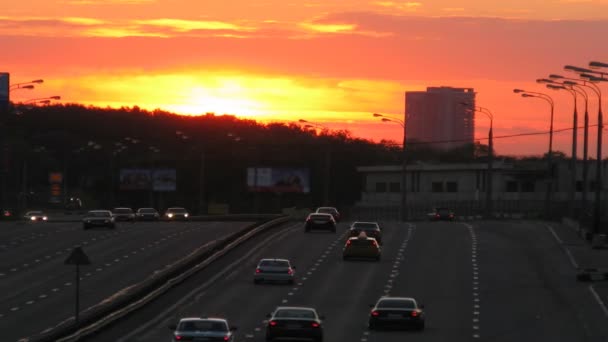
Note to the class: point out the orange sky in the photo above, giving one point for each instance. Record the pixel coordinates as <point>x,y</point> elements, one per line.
<point>333,62</point>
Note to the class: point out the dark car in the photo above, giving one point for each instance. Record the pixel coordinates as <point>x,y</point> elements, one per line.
<point>202,329</point>
<point>330,210</point>
<point>274,270</point>
<point>371,229</point>
<point>123,214</point>
<point>294,322</point>
<point>361,247</point>
<point>98,218</point>
<point>147,214</point>
<point>176,214</point>
<point>441,214</point>
<point>320,221</point>
<point>35,216</point>
<point>7,214</point>
<point>398,312</point>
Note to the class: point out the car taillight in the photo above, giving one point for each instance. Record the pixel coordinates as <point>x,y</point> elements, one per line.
<point>375,243</point>
<point>315,325</point>
<point>437,215</point>
<point>348,242</point>
<point>178,338</point>
<point>415,313</point>
<point>375,313</point>
<point>272,323</point>
<point>257,270</point>
<point>290,271</point>
<point>226,338</point>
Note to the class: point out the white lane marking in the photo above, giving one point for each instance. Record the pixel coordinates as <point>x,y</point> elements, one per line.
<point>42,296</point>
<point>561,243</point>
<point>55,290</point>
<point>67,284</point>
<point>599,300</point>
<point>15,309</point>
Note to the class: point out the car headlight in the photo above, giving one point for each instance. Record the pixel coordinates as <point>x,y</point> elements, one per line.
<point>170,215</point>
<point>186,215</point>
<point>44,218</point>
<point>33,218</point>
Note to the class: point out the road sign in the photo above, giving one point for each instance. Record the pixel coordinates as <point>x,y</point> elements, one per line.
<point>77,257</point>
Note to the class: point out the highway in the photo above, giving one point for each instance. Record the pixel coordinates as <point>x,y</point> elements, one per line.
<point>37,291</point>
<point>479,281</point>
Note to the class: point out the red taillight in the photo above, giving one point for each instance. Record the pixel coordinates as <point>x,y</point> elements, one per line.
<point>290,271</point>
<point>226,338</point>
<point>348,242</point>
<point>437,215</point>
<point>315,325</point>
<point>415,313</point>
<point>272,323</point>
<point>375,243</point>
<point>257,270</point>
<point>178,338</point>
<point>375,313</point>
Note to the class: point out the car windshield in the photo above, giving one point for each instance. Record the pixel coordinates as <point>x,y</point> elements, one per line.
<point>361,242</point>
<point>147,210</point>
<point>365,226</point>
<point>327,210</point>
<point>33,213</point>
<point>443,211</point>
<point>274,263</point>
<point>176,210</point>
<point>203,326</point>
<point>397,303</point>
<point>295,313</point>
<point>320,217</point>
<point>122,211</point>
<point>99,214</point>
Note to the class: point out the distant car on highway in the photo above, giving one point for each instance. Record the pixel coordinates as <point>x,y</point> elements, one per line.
<point>274,270</point>
<point>147,214</point>
<point>123,214</point>
<point>361,246</point>
<point>176,214</point>
<point>294,322</point>
<point>202,329</point>
<point>320,221</point>
<point>441,214</point>
<point>396,312</point>
<point>98,218</point>
<point>35,216</point>
<point>371,229</point>
<point>7,214</point>
<point>329,210</point>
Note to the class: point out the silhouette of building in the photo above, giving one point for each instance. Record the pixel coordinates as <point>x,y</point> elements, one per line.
<point>437,115</point>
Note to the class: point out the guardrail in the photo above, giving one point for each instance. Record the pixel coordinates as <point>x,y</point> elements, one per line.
<point>135,296</point>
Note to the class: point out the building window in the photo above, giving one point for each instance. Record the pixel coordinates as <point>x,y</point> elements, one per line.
<point>451,186</point>
<point>511,186</point>
<point>380,187</point>
<point>437,187</point>
<point>395,187</point>
<point>527,186</point>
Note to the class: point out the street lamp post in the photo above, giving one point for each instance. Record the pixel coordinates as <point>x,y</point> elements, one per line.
<point>44,100</point>
<point>403,207</point>
<point>549,100</point>
<point>327,164</point>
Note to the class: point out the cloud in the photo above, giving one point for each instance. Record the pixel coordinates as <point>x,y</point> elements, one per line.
<point>181,25</point>
<point>106,2</point>
<point>399,6</point>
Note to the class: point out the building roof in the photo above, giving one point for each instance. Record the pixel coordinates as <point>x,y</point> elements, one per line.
<point>419,166</point>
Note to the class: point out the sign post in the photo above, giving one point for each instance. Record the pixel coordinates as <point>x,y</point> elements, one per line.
<point>77,257</point>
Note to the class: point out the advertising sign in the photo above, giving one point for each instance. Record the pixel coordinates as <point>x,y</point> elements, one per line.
<point>164,180</point>
<point>56,182</point>
<point>4,93</point>
<point>278,180</point>
<point>135,179</point>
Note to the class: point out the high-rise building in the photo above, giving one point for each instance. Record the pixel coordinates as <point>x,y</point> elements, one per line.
<point>437,116</point>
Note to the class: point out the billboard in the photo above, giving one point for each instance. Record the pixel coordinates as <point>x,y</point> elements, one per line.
<point>4,93</point>
<point>135,179</point>
<point>164,180</point>
<point>56,183</point>
<point>266,179</point>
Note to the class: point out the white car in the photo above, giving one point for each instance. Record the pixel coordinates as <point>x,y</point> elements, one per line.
<point>35,216</point>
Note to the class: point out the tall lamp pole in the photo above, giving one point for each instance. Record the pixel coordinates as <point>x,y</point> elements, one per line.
<point>549,100</point>
<point>403,207</point>
<point>489,182</point>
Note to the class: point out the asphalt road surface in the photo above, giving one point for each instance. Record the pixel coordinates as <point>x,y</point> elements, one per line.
<point>37,291</point>
<point>479,281</point>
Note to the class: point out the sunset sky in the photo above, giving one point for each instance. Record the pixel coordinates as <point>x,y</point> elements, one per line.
<point>333,61</point>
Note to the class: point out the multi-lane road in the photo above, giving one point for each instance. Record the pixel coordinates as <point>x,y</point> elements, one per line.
<point>479,281</point>
<point>37,291</point>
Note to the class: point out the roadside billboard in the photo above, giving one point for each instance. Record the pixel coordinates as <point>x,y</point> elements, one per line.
<point>56,186</point>
<point>4,93</point>
<point>135,179</point>
<point>164,180</point>
<point>266,179</point>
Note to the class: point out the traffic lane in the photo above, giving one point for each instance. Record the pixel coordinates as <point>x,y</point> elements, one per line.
<point>225,288</point>
<point>115,266</point>
<point>29,265</point>
<point>342,290</point>
<point>529,287</point>
<point>15,235</point>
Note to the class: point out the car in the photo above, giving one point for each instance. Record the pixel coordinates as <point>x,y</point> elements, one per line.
<point>35,216</point>
<point>274,270</point>
<point>371,229</point>
<point>441,214</point>
<point>98,218</point>
<point>202,329</point>
<point>361,246</point>
<point>147,214</point>
<point>123,214</point>
<point>176,214</point>
<point>396,312</point>
<point>320,221</point>
<point>7,214</point>
<point>329,210</point>
<point>294,322</point>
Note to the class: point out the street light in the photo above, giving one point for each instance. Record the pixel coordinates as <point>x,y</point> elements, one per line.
<point>549,99</point>
<point>572,191</point>
<point>43,99</point>
<point>403,208</point>
<point>327,171</point>
<point>489,182</point>
<point>25,85</point>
